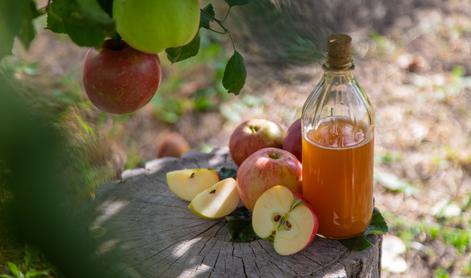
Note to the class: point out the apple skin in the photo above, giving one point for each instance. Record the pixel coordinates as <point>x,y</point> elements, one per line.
<point>154,25</point>
<point>253,135</point>
<point>293,140</point>
<point>264,169</point>
<point>298,196</point>
<point>119,79</point>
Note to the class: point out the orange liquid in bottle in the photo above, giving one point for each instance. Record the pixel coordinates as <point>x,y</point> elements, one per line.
<point>338,176</point>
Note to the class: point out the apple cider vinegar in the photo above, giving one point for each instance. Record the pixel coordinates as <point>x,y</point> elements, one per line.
<point>338,163</point>
<point>338,147</point>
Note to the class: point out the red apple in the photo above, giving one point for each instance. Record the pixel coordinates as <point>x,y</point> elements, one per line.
<point>264,169</point>
<point>285,219</point>
<point>253,135</point>
<point>119,79</point>
<point>293,140</point>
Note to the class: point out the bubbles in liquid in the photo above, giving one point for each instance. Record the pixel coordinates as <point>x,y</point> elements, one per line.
<point>337,132</point>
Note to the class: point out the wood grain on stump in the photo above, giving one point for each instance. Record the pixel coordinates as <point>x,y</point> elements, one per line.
<point>159,237</point>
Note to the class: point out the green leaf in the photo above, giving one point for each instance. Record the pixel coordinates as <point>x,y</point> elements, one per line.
<point>177,54</point>
<point>234,74</point>
<point>36,273</point>
<point>357,243</point>
<point>86,23</point>
<point>240,225</point>
<point>14,269</point>
<point>207,15</point>
<point>15,18</point>
<point>237,2</point>
<point>27,31</point>
<point>107,6</point>
<point>225,173</point>
<point>377,226</point>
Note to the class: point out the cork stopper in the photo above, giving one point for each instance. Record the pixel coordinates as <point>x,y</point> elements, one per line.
<point>339,52</point>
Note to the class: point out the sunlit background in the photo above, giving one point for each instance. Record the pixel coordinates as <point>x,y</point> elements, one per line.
<point>413,58</point>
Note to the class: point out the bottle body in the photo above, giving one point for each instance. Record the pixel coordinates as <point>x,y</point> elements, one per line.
<point>338,155</point>
<point>338,181</point>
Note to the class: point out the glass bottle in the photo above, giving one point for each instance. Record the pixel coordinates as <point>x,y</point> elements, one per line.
<point>338,146</point>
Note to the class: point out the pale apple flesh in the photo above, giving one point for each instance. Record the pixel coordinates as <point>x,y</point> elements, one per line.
<point>187,183</point>
<point>297,231</point>
<point>281,217</point>
<point>217,201</point>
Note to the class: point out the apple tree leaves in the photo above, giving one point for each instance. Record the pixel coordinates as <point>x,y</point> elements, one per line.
<point>234,74</point>
<point>16,20</point>
<point>207,15</point>
<point>89,22</point>
<point>177,54</point>
<point>86,23</point>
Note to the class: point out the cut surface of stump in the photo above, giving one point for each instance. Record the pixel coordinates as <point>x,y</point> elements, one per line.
<point>158,236</point>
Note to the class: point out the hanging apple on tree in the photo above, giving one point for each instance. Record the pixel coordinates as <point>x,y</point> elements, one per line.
<point>122,73</point>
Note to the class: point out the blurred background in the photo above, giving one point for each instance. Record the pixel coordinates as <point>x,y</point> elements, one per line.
<point>413,58</point>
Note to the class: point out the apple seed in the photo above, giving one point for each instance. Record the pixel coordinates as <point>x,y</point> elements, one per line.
<point>212,191</point>
<point>192,175</point>
<point>288,225</point>
<point>277,218</point>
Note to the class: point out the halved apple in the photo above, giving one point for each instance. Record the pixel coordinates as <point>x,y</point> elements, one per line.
<point>216,201</point>
<point>285,219</point>
<point>187,183</point>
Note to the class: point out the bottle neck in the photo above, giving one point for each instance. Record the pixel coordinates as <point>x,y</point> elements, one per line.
<point>338,65</point>
<point>346,73</point>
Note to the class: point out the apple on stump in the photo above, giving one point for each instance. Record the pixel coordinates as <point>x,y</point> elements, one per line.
<point>253,135</point>
<point>285,219</point>
<point>264,169</point>
<point>293,139</point>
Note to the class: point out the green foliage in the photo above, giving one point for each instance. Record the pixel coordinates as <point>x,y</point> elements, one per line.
<point>89,23</point>
<point>16,20</point>
<point>207,15</point>
<point>441,273</point>
<point>225,173</point>
<point>29,267</point>
<point>83,20</point>
<point>240,225</point>
<point>235,74</point>
<point>177,54</point>
<point>47,188</point>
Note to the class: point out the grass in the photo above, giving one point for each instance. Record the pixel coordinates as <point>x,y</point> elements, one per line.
<point>32,265</point>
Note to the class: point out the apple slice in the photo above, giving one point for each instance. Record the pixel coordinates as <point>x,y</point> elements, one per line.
<point>187,183</point>
<point>285,219</point>
<point>216,201</point>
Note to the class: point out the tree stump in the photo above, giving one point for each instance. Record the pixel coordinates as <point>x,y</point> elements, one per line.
<point>160,237</point>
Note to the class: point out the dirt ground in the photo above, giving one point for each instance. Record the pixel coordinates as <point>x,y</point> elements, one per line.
<point>416,70</point>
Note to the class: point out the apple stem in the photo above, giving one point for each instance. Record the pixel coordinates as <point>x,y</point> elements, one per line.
<point>254,129</point>
<point>273,155</point>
